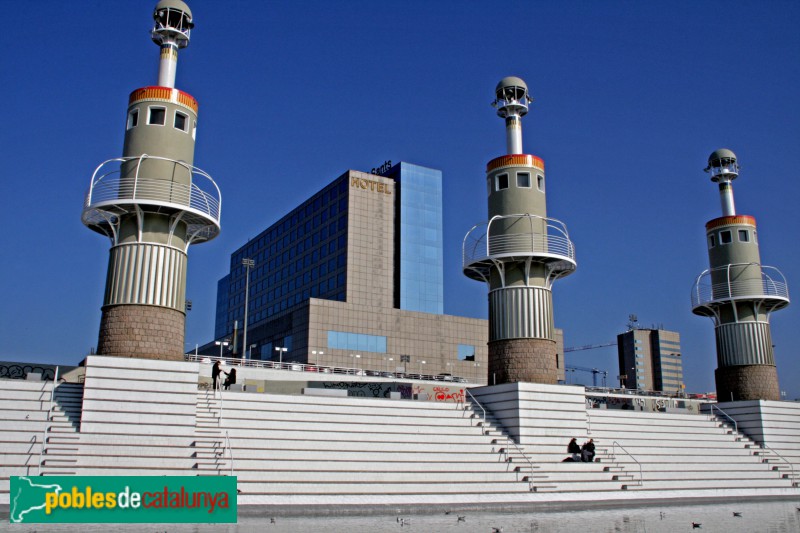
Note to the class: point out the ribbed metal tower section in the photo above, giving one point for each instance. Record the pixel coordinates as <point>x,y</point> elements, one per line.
<point>519,253</point>
<point>738,293</point>
<point>153,203</point>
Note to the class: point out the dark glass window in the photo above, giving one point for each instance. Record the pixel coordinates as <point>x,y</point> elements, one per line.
<point>744,235</point>
<point>523,179</point>
<point>501,181</point>
<point>158,116</point>
<point>712,241</point>
<point>180,121</point>
<point>540,182</point>
<point>133,118</point>
<point>725,237</point>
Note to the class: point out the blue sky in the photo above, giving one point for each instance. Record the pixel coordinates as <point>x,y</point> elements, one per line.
<point>630,99</point>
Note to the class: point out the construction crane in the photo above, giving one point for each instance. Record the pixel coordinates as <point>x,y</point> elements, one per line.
<point>594,372</point>
<point>589,347</point>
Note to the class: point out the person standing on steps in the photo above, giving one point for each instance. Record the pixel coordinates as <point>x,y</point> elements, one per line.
<point>215,371</point>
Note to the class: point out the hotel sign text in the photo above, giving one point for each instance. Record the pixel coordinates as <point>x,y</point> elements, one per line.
<point>374,186</point>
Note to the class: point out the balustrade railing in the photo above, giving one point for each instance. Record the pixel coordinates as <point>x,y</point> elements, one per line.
<point>200,193</point>
<point>770,284</point>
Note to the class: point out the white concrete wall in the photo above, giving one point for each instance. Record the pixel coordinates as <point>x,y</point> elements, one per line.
<point>139,396</point>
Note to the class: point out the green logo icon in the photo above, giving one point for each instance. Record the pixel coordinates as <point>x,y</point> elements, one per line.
<point>132,499</point>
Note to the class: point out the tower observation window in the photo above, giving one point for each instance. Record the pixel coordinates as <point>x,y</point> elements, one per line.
<point>725,237</point>
<point>502,182</point>
<point>744,235</point>
<point>157,116</point>
<point>712,241</point>
<point>133,118</point>
<point>540,182</point>
<point>181,121</point>
<point>524,180</point>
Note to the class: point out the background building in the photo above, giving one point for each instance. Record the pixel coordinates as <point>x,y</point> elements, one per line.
<point>352,277</point>
<point>650,359</point>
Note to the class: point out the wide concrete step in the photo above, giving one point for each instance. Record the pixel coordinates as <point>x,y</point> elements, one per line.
<point>251,469</point>
<point>379,476</point>
<point>370,489</point>
<point>387,456</point>
<point>686,484</point>
<point>429,431</point>
<point>257,446</point>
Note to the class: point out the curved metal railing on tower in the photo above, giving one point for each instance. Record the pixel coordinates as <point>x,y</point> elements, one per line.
<point>110,194</point>
<point>531,236</point>
<point>721,284</point>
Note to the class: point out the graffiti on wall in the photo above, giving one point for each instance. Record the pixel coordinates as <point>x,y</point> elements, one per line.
<point>639,403</point>
<point>20,371</point>
<point>417,391</point>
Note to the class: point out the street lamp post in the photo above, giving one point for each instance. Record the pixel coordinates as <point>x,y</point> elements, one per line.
<point>221,344</point>
<point>248,264</point>
<point>315,353</point>
<point>420,367</point>
<point>250,350</point>
<point>281,350</point>
<point>387,363</point>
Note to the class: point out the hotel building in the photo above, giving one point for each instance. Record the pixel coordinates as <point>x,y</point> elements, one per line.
<point>352,277</point>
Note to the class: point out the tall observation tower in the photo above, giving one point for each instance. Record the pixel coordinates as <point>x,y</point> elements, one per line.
<point>519,253</point>
<point>152,203</point>
<point>738,293</point>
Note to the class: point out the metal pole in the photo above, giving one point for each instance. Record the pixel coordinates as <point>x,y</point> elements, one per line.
<point>247,262</point>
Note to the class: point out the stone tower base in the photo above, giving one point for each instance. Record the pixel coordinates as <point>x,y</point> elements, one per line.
<point>143,331</point>
<point>528,360</point>
<point>747,382</point>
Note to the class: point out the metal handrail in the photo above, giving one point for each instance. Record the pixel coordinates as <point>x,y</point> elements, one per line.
<point>47,425</point>
<point>216,390</point>
<point>321,369</point>
<point>726,415</point>
<point>230,450</point>
<point>550,240</point>
<point>463,401</point>
<point>107,185</point>
<point>614,458</point>
<point>509,440</point>
<point>769,283</point>
<point>791,467</point>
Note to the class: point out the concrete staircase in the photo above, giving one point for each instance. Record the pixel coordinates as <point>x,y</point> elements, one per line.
<point>210,443</point>
<point>774,428</point>
<point>678,451</point>
<point>134,417</point>
<point>61,446</point>
<point>289,449</point>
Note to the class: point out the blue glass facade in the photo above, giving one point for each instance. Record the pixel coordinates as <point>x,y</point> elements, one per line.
<point>220,323</point>
<point>419,278</point>
<point>342,340</point>
<point>302,256</point>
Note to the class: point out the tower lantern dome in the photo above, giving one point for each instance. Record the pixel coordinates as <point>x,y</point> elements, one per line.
<point>512,97</point>
<point>172,23</point>
<point>722,165</point>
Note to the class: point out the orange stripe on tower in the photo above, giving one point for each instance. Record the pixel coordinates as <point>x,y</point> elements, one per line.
<point>515,160</point>
<point>165,94</point>
<point>735,220</point>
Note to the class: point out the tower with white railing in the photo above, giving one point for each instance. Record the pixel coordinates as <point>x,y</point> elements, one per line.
<point>519,253</point>
<point>738,293</point>
<point>153,203</point>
